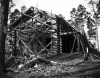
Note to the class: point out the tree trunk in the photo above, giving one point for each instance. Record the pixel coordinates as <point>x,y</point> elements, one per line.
<point>4,5</point>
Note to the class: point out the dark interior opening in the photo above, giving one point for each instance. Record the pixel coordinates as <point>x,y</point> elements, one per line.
<point>48,40</point>
<point>67,43</point>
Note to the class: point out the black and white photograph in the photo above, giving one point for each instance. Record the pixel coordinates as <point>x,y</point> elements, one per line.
<point>49,38</point>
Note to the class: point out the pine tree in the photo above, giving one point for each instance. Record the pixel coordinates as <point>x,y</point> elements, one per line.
<point>4,5</point>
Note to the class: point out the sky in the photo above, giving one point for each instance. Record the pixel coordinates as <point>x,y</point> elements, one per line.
<point>55,6</point>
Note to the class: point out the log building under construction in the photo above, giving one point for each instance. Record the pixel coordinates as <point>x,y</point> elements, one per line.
<point>40,32</point>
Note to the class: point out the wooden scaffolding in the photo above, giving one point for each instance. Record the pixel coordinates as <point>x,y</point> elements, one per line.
<point>39,32</point>
<point>36,31</point>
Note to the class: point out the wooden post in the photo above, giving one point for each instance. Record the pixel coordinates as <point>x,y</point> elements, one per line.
<point>78,42</point>
<point>15,39</point>
<point>58,34</point>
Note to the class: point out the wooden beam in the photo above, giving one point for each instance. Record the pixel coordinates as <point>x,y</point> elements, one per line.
<point>15,40</point>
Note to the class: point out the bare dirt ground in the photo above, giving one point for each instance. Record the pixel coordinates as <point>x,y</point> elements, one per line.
<point>67,66</point>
